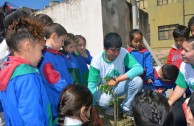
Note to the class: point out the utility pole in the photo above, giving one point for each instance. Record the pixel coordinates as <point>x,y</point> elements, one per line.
<point>183,12</point>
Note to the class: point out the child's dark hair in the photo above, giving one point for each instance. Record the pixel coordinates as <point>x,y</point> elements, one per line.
<point>24,27</point>
<point>191,103</point>
<point>45,18</point>
<point>181,31</point>
<point>170,71</point>
<point>132,32</point>
<point>191,22</point>
<point>80,37</point>
<point>54,28</point>
<point>69,39</point>
<point>4,10</point>
<point>72,99</point>
<point>191,40</point>
<point>152,109</point>
<point>12,17</point>
<point>112,40</point>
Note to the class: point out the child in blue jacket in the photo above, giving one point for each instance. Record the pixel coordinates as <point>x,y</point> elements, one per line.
<point>84,58</point>
<point>23,96</point>
<point>141,54</point>
<point>164,78</point>
<point>53,68</point>
<point>70,56</point>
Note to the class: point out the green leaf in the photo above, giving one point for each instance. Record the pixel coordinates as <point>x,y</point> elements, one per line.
<point>107,78</point>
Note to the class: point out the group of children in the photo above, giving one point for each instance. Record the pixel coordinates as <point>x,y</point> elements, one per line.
<point>45,78</point>
<point>159,78</point>
<point>158,110</point>
<point>36,72</point>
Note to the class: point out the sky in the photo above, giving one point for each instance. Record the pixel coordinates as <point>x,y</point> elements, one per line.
<point>35,4</point>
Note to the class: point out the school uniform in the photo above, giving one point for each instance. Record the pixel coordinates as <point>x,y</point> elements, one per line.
<point>144,58</point>
<point>23,96</point>
<point>175,56</point>
<point>73,66</point>
<point>159,83</point>
<point>55,76</point>
<point>83,67</point>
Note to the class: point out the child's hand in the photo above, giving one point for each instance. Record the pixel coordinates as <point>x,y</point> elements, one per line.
<point>150,81</point>
<point>84,54</point>
<point>85,115</point>
<point>112,82</point>
<point>160,90</point>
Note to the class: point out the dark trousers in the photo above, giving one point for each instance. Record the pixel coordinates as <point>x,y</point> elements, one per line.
<point>178,113</point>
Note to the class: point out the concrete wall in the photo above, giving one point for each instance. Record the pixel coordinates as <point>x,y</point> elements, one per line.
<point>92,19</point>
<point>116,18</point>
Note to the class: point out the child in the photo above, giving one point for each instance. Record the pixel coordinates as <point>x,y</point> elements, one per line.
<point>69,50</point>
<point>23,96</point>
<point>53,68</point>
<point>164,78</point>
<point>180,34</point>
<point>74,106</point>
<point>5,21</point>
<point>184,80</point>
<point>152,109</point>
<point>141,54</point>
<point>191,25</point>
<point>84,58</point>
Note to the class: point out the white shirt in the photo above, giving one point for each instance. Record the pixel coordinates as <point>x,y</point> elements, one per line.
<point>4,51</point>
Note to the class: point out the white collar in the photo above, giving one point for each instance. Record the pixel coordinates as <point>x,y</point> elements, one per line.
<point>72,122</point>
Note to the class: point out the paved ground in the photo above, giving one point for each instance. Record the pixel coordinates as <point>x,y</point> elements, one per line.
<point>161,54</point>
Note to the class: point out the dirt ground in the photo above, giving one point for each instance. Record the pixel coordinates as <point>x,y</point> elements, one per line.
<point>109,120</point>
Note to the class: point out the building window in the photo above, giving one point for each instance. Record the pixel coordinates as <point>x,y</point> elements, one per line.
<point>162,2</point>
<point>165,32</point>
<point>140,4</point>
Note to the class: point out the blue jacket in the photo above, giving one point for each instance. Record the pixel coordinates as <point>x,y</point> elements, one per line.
<point>83,62</point>
<point>158,83</point>
<point>73,66</point>
<point>144,58</point>
<point>25,101</point>
<point>55,76</point>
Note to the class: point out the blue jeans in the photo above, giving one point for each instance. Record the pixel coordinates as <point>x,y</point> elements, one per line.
<point>128,87</point>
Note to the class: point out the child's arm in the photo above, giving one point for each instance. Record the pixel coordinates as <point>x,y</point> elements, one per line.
<point>30,100</point>
<point>88,59</point>
<point>84,54</point>
<point>54,77</point>
<point>149,66</point>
